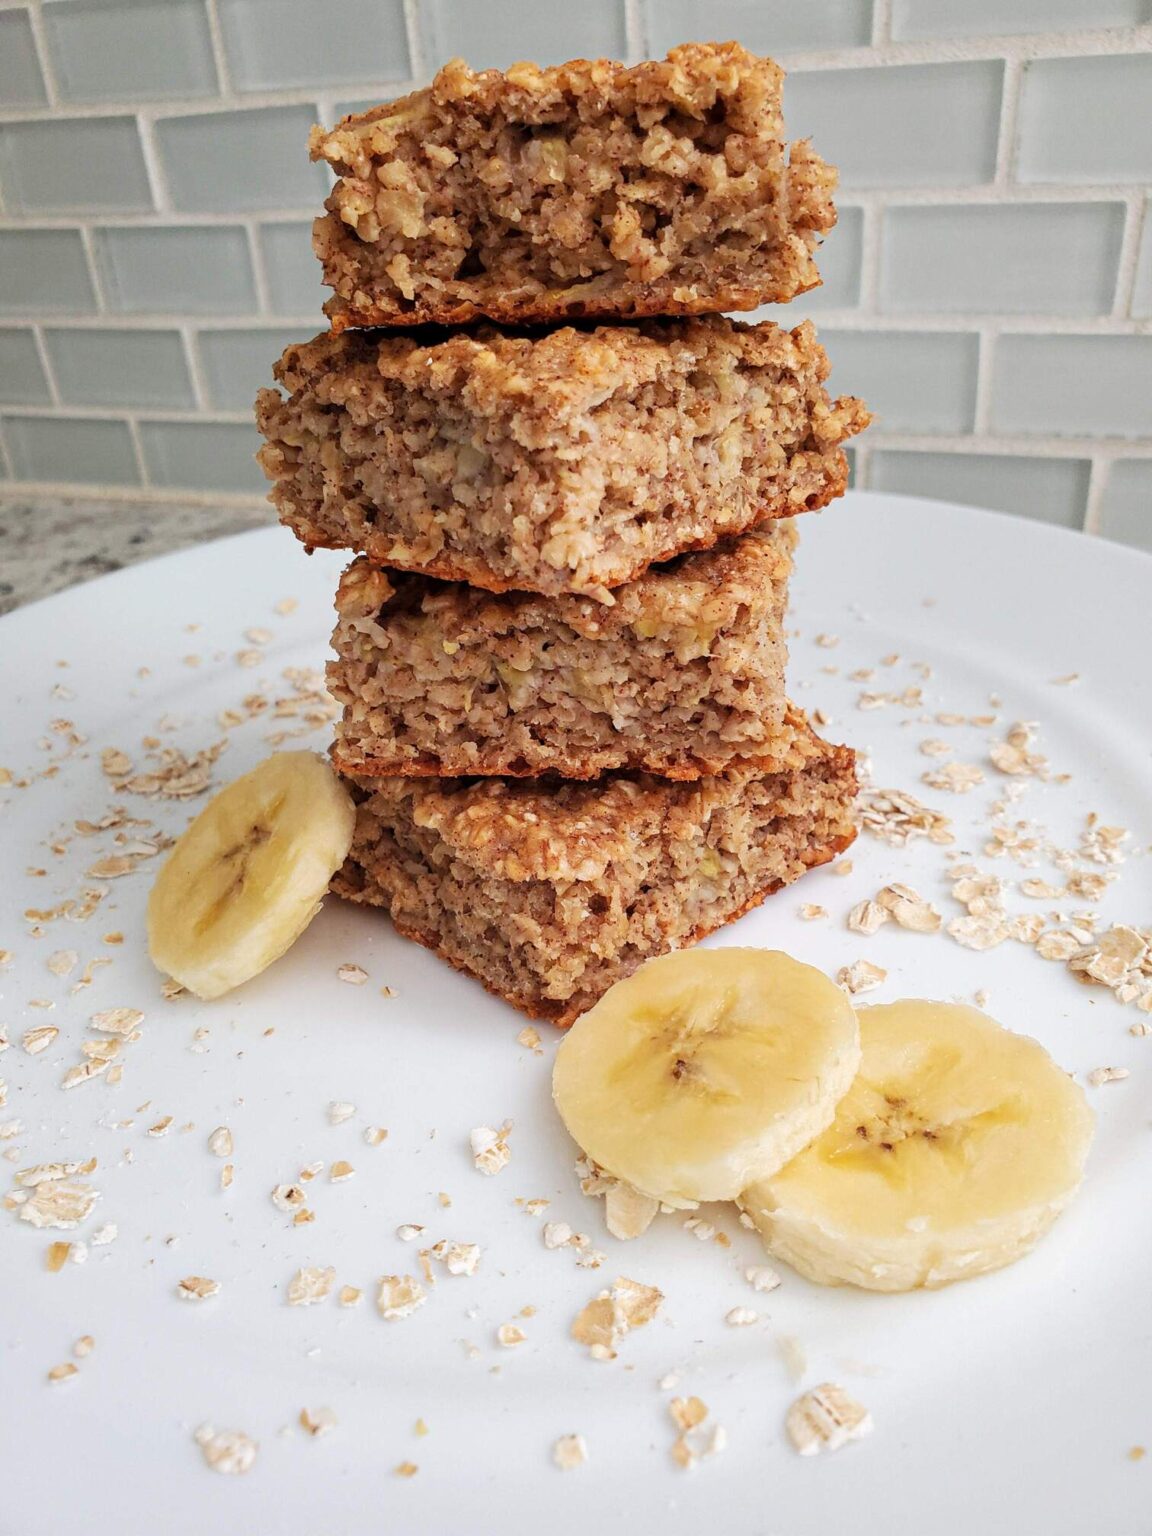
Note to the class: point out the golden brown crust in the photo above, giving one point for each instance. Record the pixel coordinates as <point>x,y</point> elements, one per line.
<point>636,302</point>
<point>590,189</point>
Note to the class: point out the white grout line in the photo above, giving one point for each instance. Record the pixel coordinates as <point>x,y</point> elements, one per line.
<point>163,322</point>
<point>1108,448</point>
<point>415,39</point>
<point>157,182</point>
<point>94,276</point>
<point>195,368</point>
<point>1009,117</point>
<point>182,217</point>
<point>43,54</point>
<point>881,23</point>
<point>984,362</point>
<point>46,364</point>
<point>259,274</point>
<point>31,490</point>
<point>959,50</point>
<point>635,31</point>
<point>1097,485</point>
<point>863,462</point>
<point>6,464</point>
<point>209,417</point>
<point>219,52</point>
<point>1137,223</point>
<point>138,450</point>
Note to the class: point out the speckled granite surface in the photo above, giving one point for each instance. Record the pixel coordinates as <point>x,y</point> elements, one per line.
<point>48,545</point>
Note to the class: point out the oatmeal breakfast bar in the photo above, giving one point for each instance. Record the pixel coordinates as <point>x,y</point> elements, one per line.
<point>564,461</point>
<point>683,674</point>
<point>587,189</point>
<point>549,891</point>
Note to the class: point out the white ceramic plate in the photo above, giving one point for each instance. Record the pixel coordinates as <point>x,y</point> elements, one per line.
<point>1009,1404</point>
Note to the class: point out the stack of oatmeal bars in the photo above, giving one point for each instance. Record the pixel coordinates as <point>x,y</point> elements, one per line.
<point>570,483</point>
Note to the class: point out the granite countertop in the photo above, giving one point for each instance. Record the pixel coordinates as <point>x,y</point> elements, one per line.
<point>48,544</point>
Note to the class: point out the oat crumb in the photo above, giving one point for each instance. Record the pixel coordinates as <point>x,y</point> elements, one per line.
<point>570,1451</point>
<point>825,1419</point>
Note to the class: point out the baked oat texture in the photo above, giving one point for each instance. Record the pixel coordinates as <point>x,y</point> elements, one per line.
<point>548,892</point>
<point>585,190</point>
<point>682,675</point>
<point>563,461</point>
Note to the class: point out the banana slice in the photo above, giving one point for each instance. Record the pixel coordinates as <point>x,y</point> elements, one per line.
<point>247,877</point>
<point>705,1070</point>
<point>954,1150</point>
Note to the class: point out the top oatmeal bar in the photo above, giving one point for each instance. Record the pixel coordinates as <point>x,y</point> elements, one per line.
<point>587,189</point>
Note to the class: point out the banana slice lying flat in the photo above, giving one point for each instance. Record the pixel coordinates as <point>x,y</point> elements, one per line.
<point>706,1070</point>
<point>247,877</point>
<point>954,1150</point>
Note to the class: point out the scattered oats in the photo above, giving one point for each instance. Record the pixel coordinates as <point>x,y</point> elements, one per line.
<point>249,658</point>
<point>63,1372</point>
<point>981,998</point>
<point>258,636</point>
<point>170,990</point>
<point>569,1452</point>
<point>826,1419</point>
<point>117,1021</point>
<point>310,1285</point>
<point>896,817</point>
<point>354,975</point>
<point>533,1207</point>
<point>114,763</point>
<point>197,1288</point>
<point>741,1317</point>
<point>1142,1028</point>
<point>909,909</point>
<point>1066,680</point>
<point>10,1129</point>
<point>288,1197</point>
<point>56,1257</point>
<point>842,867</point>
<point>445,1200</point>
<point>861,976</point>
<point>979,932</point>
<point>60,1202</point>
<point>116,937</point>
<point>627,1212</point>
<point>220,1142</point>
<point>407,1469</point>
<point>338,1112</point>
<point>457,1258</point>
<point>41,1002</point>
<point>408,1232</point>
<point>529,1037</point>
<point>229,1451</point>
<point>867,917</point>
<point>490,1151</point>
<point>162,1127</point>
<point>810,912</point>
<point>827,642</point>
<point>509,1335</point>
<point>1057,944</point>
<point>1041,890</point>
<point>83,1346</point>
<point>115,1076</point>
<point>700,1229</point>
<point>39,1039</point>
<point>102,1050</point>
<point>4,1040</point>
<point>1103,1075</point>
<point>1025,928</point>
<point>318,1423</point>
<point>399,1296</point>
<point>1014,756</point>
<point>375,1134</point>
<point>340,1171</point>
<point>309,1172</point>
<point>112,867</point>
<point>688,1414</point>
<point>556,1234</point>
<point>613,1313</point>
<point>287,605</point>
<point>588,1258</point>
<point>82,1073</point>
<point>79,1253</point>
<point>63,962</point>
<point>956,778</point>
<point>934,747</point>
<point>1083,882</point>
<point>105,1235</point>
<point>349,1295</point>
<point>761,1278</point>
